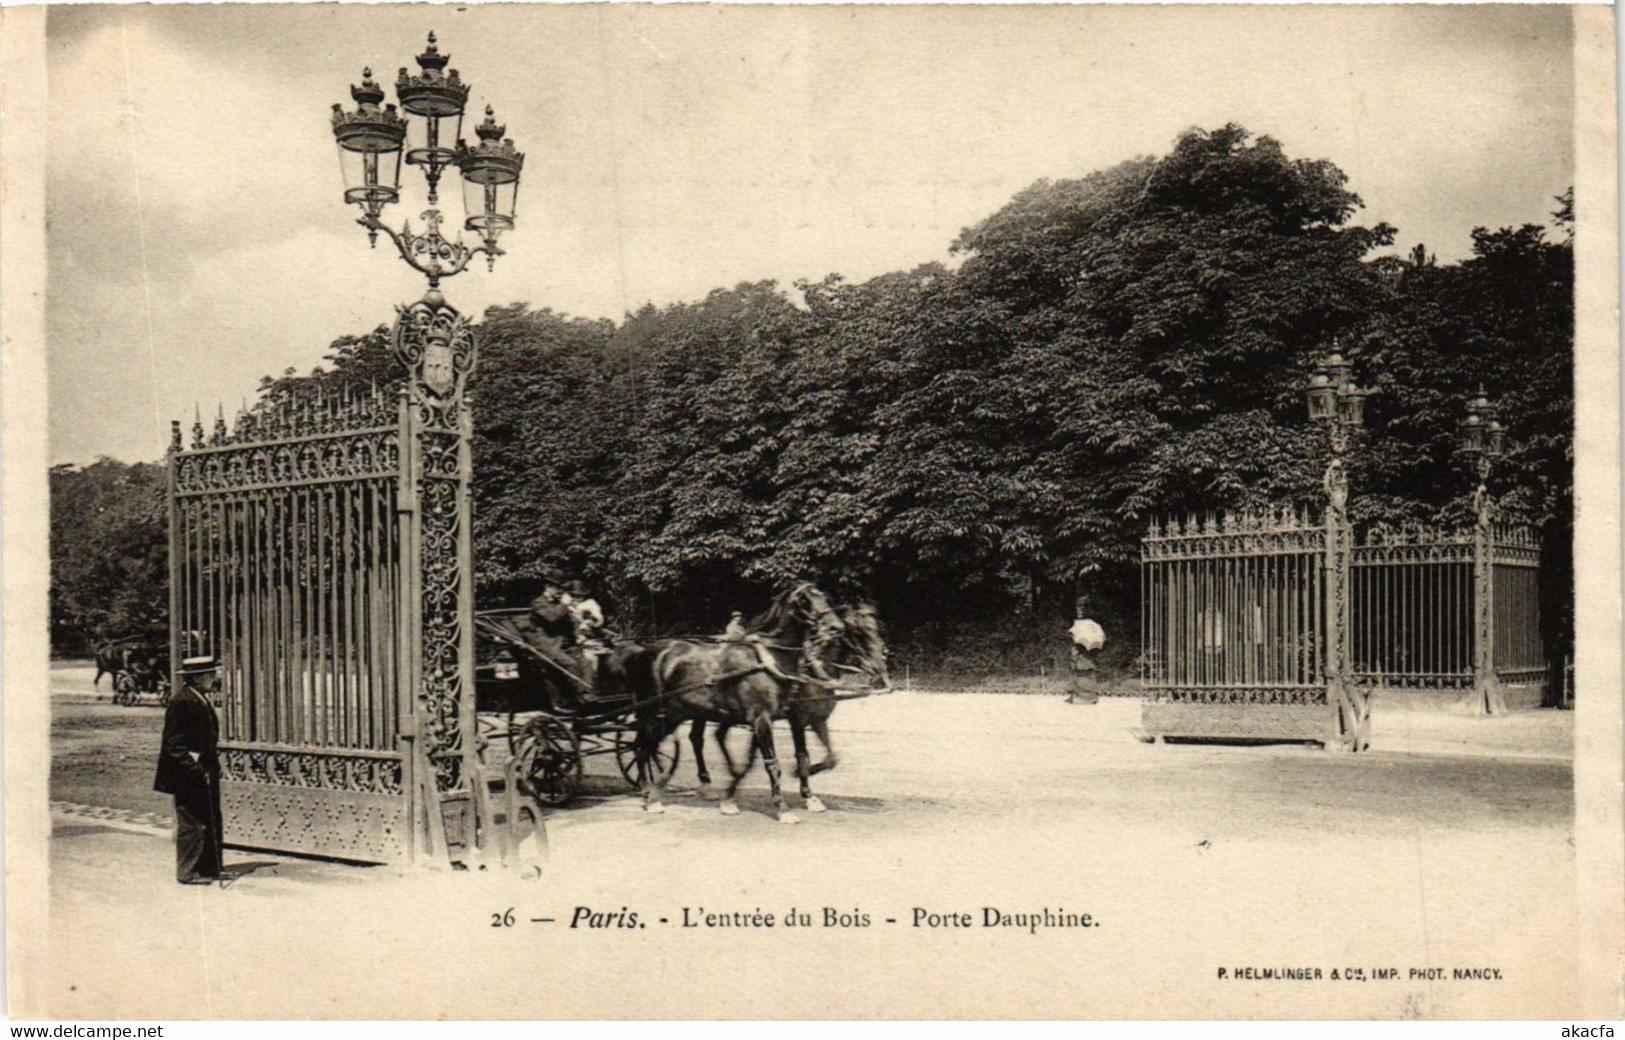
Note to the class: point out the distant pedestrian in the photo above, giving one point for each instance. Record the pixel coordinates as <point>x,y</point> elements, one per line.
<point>189,769</point>
<point>736,627</point>
<point>1087,638</point>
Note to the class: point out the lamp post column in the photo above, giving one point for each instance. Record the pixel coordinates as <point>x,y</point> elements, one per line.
<point>435,346</point>
<point>1336,402</point>
<point>1482,438</point>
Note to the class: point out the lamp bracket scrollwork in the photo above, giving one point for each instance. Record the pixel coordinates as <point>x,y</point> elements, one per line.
<point>431,253</point>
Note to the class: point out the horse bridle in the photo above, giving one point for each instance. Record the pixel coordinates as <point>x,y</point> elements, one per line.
<point>810,646</point>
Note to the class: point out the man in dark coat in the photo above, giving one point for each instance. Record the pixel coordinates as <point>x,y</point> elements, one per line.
<point>550,629</point>
<point>549,616</point>
<point>189,769</point>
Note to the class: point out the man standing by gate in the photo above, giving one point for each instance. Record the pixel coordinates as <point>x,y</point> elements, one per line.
<point>189,769</point>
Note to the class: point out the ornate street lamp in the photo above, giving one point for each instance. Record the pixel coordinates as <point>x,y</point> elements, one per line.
<point>1483,438</point>
<point>371,141</point>
<point>490,182</point>
<point>438,97</point>
<point>436,346</point>
<point>1336,403</point>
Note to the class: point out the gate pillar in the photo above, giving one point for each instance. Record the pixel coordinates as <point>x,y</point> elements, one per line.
<point>436,345</point>
<point>1487,698</point>
<point>1351,705</point>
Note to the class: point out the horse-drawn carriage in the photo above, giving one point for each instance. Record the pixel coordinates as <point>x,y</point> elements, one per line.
<point>139,666</point>
<point>805,657</point>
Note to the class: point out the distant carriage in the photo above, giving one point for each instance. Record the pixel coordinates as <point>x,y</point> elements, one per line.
<point>140,669</point>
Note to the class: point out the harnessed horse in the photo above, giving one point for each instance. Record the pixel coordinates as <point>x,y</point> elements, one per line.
<point>738,683</point>
<point>858,649</point>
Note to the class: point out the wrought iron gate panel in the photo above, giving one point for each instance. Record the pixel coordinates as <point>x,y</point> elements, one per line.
<point>1413,596</point>
<point>285,564</point>
<point>321,552</point>
<point>1265,625</point>
<point>1519,654</point>
<point>1233,627</point>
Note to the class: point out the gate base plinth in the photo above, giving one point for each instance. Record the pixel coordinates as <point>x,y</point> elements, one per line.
<point>351,825</point>
<point>1239,721</point>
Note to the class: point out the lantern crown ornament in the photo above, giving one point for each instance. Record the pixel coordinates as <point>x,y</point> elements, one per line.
<point>375,138</point>
<point>433,91</point>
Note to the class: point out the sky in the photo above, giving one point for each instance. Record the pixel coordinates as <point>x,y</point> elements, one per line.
<point>197,238</point>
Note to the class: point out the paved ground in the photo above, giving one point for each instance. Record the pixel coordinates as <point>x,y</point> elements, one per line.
<point>1448,846</point>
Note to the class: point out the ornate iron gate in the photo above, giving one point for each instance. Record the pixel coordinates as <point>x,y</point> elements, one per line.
<point>1274,626</point>
<point>321,552</point>
<point>1233,628</point>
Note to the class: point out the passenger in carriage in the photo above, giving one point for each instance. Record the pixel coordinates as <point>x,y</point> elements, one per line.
<point>588,619</point>
<point>549,615</point>
<point>585,613</point>
<point>550,629</point>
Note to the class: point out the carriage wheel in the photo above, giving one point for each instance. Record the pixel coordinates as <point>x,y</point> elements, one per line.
<point>626,756</point>
<point>124,688</point>
<point>549,761</point>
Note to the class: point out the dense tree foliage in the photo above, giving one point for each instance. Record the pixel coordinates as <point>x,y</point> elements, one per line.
<point>979,442</point>
<point>109,552</point>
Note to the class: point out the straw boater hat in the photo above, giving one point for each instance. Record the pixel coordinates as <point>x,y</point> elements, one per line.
<point>199,665</point>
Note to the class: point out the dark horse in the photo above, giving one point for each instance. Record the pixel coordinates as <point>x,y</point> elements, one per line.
<point>109,660</point>
<point>858,651</point>
<point>737,683</point>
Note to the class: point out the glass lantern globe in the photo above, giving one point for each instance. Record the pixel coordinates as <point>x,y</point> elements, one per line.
<point>1337,369</point>
<point>1473,433</point>
<point>1322,397</point>
<point>438,97</point>
<point>1353,402</point>
<point>490,172</point>
<point>369,141</point>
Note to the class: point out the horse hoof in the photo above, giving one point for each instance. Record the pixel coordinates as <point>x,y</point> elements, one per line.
<point>785,816</point>
<point>655,808</point>
<point>730,808</point>
<point>814,805</point>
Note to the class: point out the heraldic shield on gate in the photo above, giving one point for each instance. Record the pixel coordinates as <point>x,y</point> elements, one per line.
<point>320,549</point>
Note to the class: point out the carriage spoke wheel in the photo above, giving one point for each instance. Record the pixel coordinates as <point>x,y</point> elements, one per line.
<point>549,761</point>
<point>626,756</point>
<point>124,688</point>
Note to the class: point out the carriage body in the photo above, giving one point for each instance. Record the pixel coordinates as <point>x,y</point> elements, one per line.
<point>545,717</point>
